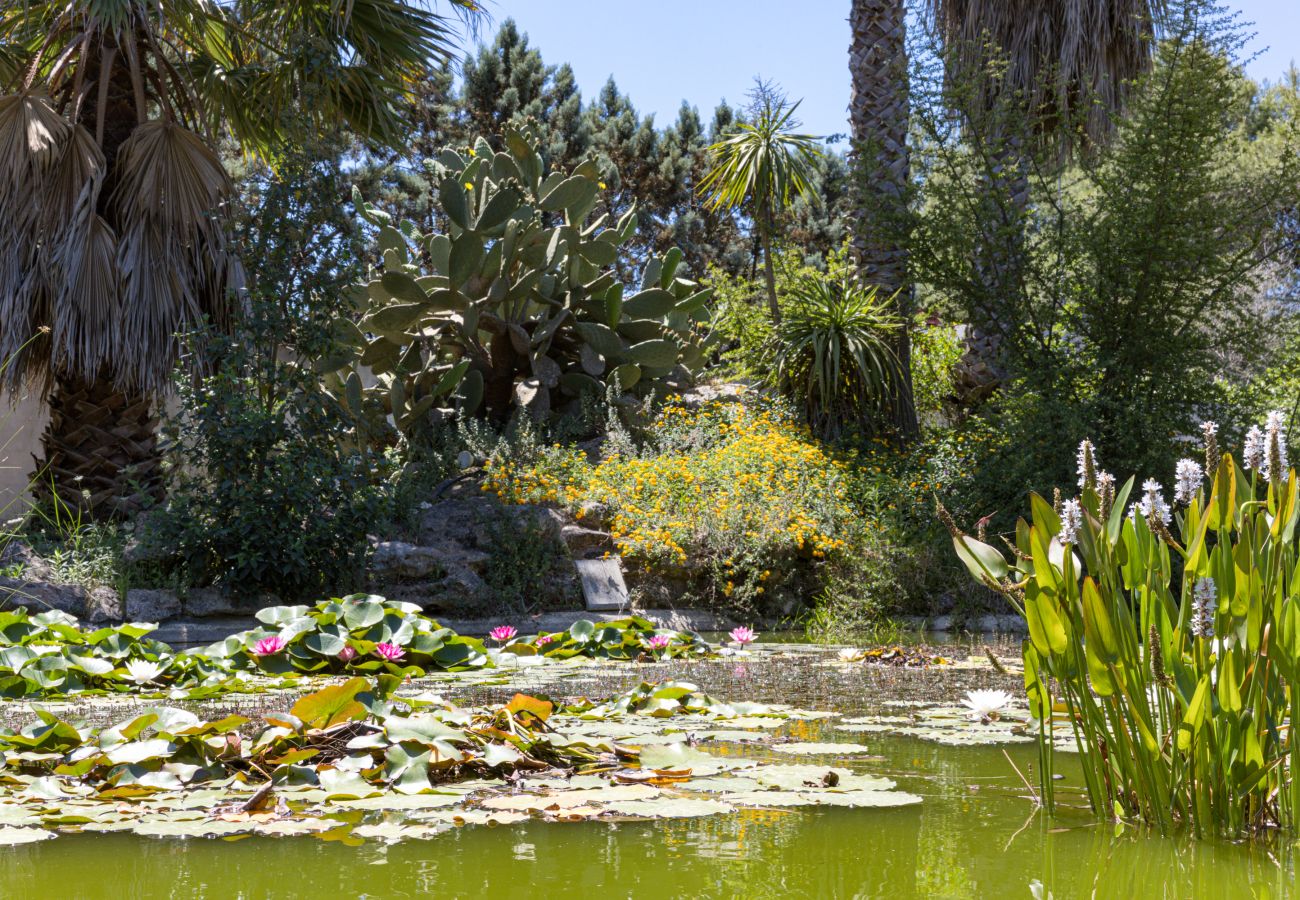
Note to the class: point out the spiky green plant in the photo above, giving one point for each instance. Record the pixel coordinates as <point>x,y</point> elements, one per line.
<point>832,352</point>
<point>1180,690</point>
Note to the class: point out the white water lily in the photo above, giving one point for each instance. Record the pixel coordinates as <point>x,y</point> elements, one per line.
<point>141,671</point>
<point>850,654</point>
<point>988,705</point>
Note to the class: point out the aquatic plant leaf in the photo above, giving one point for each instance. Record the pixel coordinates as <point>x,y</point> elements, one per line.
<point>332,705</point>
<point>10,836</point>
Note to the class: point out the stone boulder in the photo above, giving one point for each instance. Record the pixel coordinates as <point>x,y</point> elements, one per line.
<point>144,605</point>
<point>94,606</point>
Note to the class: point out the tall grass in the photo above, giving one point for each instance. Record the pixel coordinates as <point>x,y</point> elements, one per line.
<point>1166,641</point>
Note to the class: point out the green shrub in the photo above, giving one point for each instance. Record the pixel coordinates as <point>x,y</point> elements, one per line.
<point>263,494</point>
<point>831,353</point>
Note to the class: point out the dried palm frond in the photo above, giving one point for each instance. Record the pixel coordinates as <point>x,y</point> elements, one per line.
<point>1071,60</point>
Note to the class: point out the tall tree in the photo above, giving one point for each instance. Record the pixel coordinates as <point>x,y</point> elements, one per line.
<point>879,108</point>
<point>763,164</point>
<point>1033,78</point>
<point>113,201</point>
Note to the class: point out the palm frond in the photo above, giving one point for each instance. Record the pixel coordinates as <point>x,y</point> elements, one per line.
<point>172,245</point>
<point>1069,59</point>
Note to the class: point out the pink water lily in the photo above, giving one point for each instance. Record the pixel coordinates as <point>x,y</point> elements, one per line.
<point>743,635</point>
<point>269,646</point>
<point>545,639</point>
<point>659,642</point>
<point>390,652</point>
<point>502,633</point>
<point>347,654</point>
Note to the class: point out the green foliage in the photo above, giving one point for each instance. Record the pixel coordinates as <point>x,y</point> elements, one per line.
<point>345,636</point>
<point>263,493</point>
<point>1120,284</point>
<point>1174,648</point>
<point>936,353</point>
<point>831,353</point>
<point>48,654</point>
<point>521,305</point>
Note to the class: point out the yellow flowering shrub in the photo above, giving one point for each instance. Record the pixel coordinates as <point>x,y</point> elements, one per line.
<point>735,496</point>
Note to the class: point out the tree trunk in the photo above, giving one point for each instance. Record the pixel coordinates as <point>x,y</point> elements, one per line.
<point>100,449</point>
<point>879,108</point>
<point>769,274</point>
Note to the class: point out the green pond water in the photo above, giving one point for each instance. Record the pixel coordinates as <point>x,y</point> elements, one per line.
<point>976,833</point>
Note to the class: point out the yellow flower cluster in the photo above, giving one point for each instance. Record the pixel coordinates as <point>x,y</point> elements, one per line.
<point>730,476</point>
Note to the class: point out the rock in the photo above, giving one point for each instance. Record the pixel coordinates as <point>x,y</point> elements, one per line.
<point>402,561</point>
<point>19,553</point>
<point>396,559</point>
<point>144,605</point>
<point>602,583</point>
<point>94,606</point>
<point>102,606</point>
<point>583,542</point>
<point>209,602</point>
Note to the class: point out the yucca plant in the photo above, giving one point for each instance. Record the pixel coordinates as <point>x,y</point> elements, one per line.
<point>113,200</point>
<point>832,352</point>
<point>1180,690</point>
<point>763,164</point>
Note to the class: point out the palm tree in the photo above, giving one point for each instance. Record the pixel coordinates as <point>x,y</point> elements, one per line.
<point>879,108</point>
<point>113,199</point>
<point>763,164</point>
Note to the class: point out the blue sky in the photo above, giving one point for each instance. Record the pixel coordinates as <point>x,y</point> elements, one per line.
<point>664,51</point>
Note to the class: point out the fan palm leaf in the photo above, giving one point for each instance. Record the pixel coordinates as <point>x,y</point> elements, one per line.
<point>113,201</point>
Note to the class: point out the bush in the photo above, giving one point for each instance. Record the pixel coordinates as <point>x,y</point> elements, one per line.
<point>733,497</point>
<point>263,495</point>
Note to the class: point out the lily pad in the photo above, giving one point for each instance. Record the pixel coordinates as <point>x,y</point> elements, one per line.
<point>10,836</point>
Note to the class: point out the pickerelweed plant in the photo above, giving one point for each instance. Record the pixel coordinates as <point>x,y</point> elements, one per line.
<point>1167,640</point>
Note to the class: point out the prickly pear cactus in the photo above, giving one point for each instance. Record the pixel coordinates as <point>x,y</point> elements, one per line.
<point>519,304</point>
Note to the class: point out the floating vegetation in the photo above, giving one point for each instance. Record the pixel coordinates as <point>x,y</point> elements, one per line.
<point>48,654</point>
<point>956,726</point>
<point>354,762</point>
<point>897,655</point>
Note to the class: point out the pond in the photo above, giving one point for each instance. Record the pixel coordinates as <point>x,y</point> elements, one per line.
<point>975,833</point>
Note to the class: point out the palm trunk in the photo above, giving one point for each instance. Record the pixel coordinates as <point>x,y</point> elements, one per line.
<point>100,449</point>
<point>879,108</point>
<point>1004,204</point>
